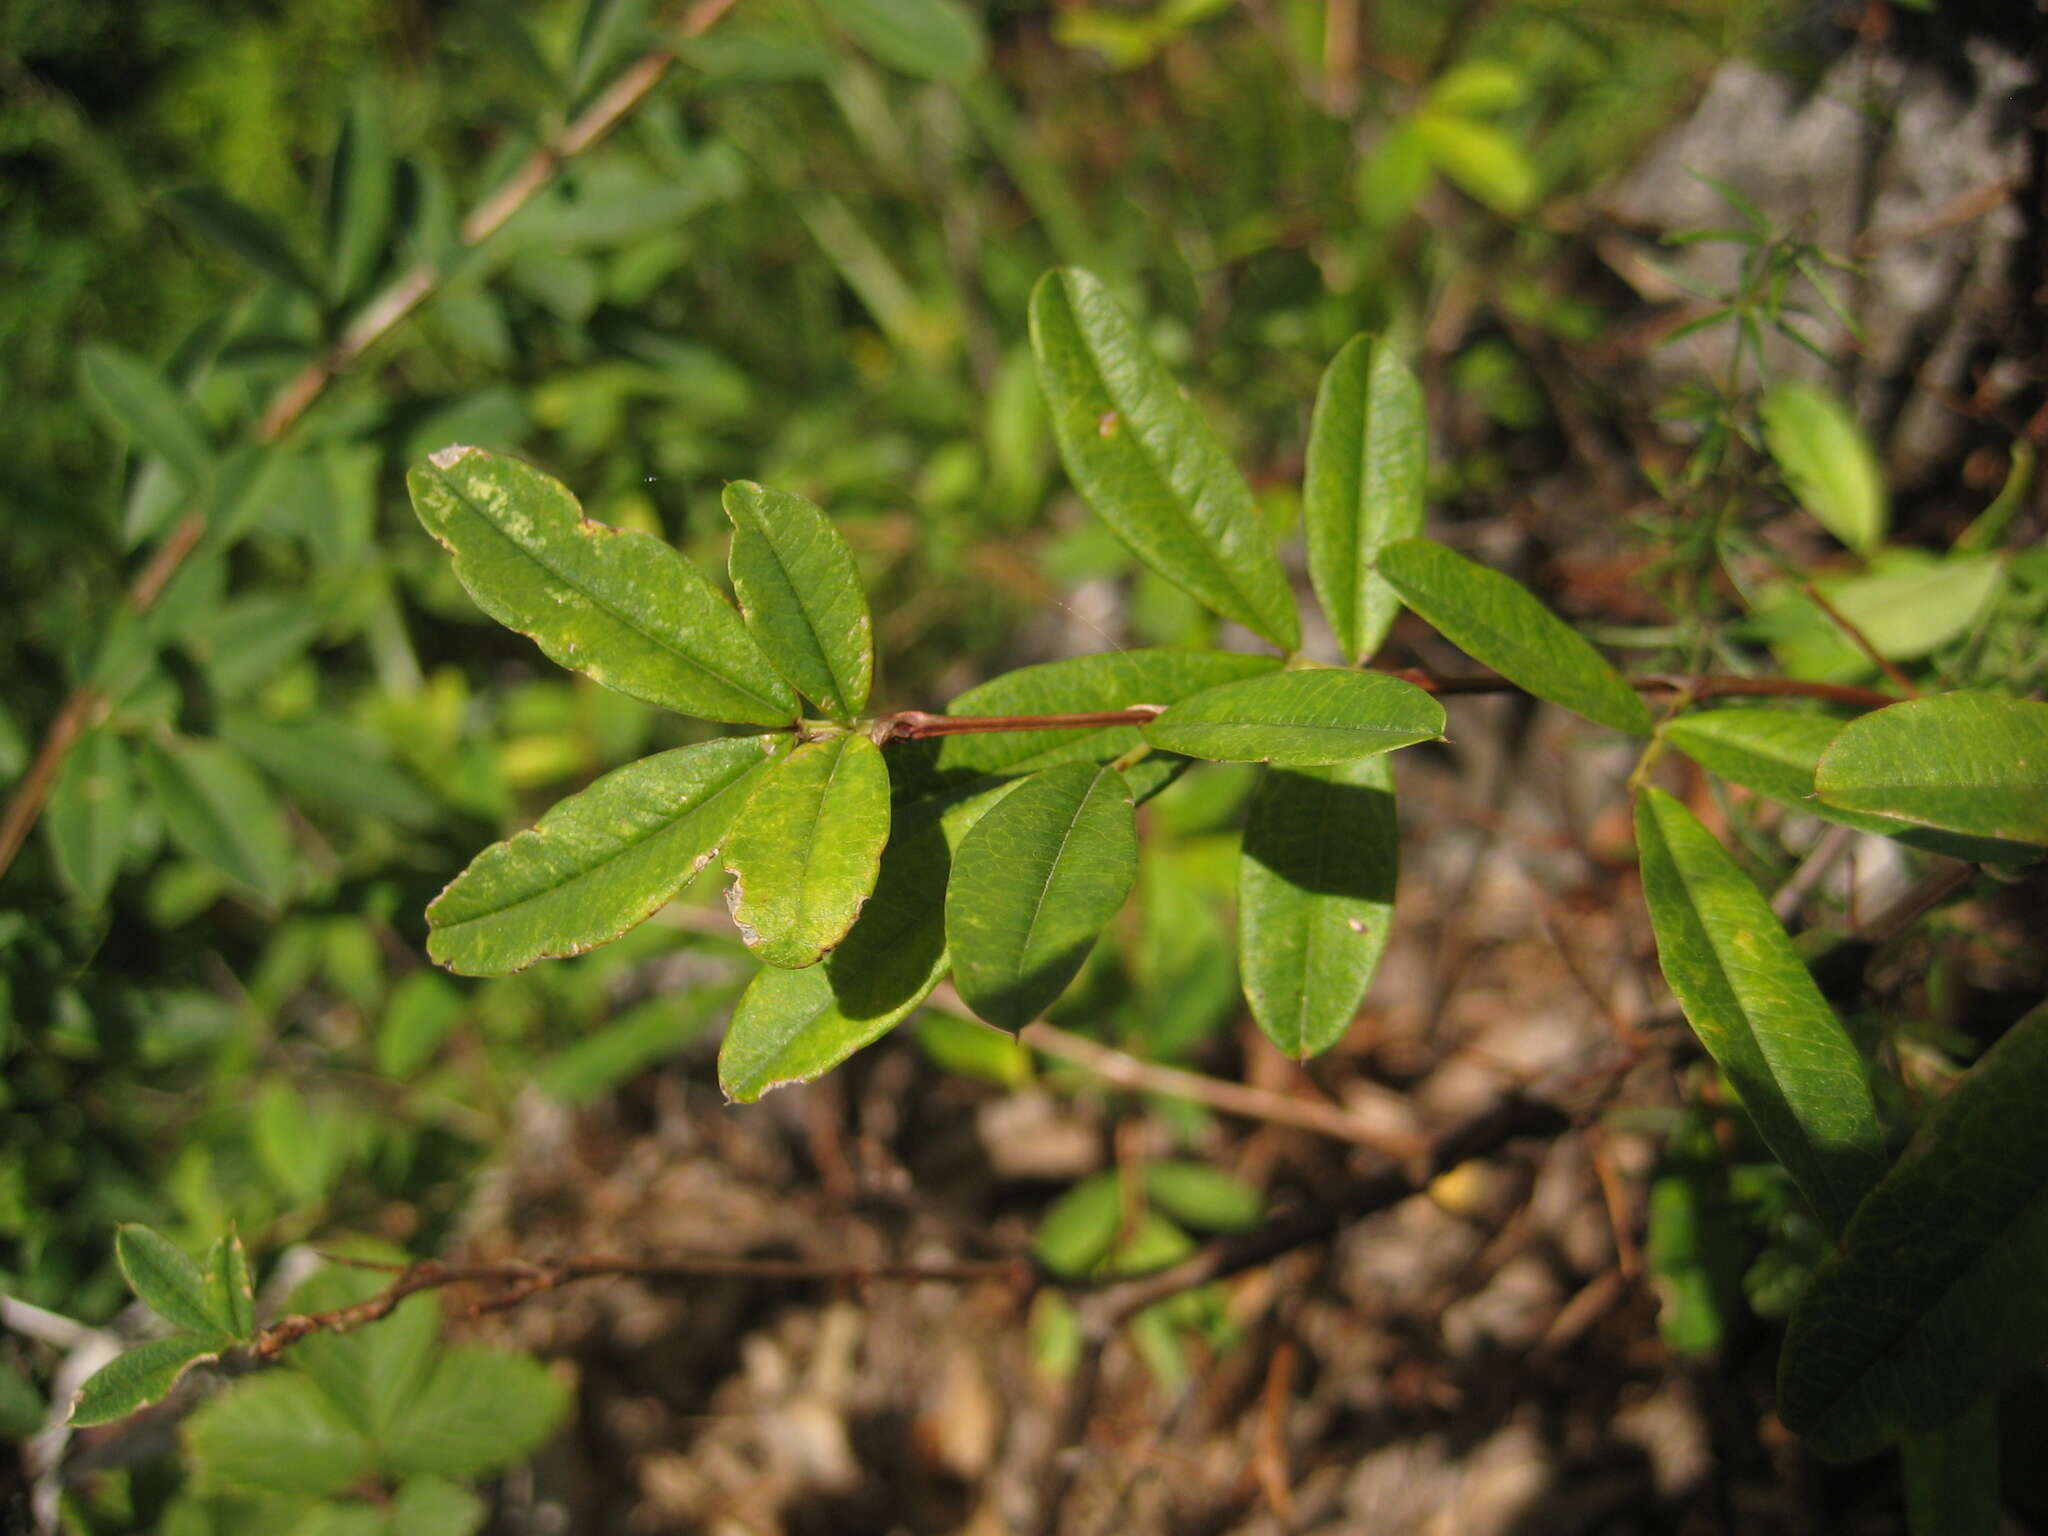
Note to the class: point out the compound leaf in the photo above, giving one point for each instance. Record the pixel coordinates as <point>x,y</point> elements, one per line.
<point>1969,763</point>
<point>801,596</point>
<point>616,604</point>
<point>1303,718</point>
<point>479,1409</point>
<point>1146,460</point>
<point>276,1432</point>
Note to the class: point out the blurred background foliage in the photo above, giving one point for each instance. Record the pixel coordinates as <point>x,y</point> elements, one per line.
<point>803,260</point>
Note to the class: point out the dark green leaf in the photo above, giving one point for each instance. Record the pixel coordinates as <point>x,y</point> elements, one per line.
<point>1315,898</point>
<point>1827,461</point>
<point>805,852</point>
<point>217,809</point>
<point>137,1377</point>
<point>328,763</point>
<point>157,418</point>
<point>479,1410</point>
<point>1756,1009</point>
<point>1301,718</point>
<point>800,593</point>
<point>359,197</point>
<point>932,39</point>
<point>617,604</point>
<point>1362,489</point>
<point>1493,619</point>
<point>277,1433</point>
<point>1033,884</point>
<point>88,815</point>
<point>1972,763</point>
<point>1147,462</point>
<point>598,862</point>
<point>233,1292</point>
<point>241,231</point>
<point>607,29</point>
<point>1935,1295</point>
<point>1951,1476</point>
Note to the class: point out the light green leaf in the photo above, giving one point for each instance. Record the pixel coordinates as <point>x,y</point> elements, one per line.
<point>1083,685</point>
<point>433,1506</point>
<point>277,1433</point>
<point>330,764</point>
<point>217,809</point>
<point>88,816</point>
<point>1315,898</point>
<point>1202,1197</point>
<point>421,1011</point>
<point>1367,446</point>
<point>800,592</point>
<point>1313,716</point>
<point>598,862</point>
<point>1146,460</point>
<point>1935,1295</point>
<point>1496,621</point>
<point>1951,1476</point>
<point>1478,89</point>
<point>1481,159</point>
<point>1081,1228</point>
<point>1033,884</point>
<point>370,1374</point>
<point>1756,1009</point>
<point>971,1048</point>
<point>479,1410</point>
<point>1974,763</point>
<point>805,852</point>
<point>932,39</point>
<point>1827,461</point>
<point>241,231</point>
<point>617,604</point>
<point>157,418</point>
<point>1775,752</point>
<point>359,187</point>
<point>233,1292</point>
<point>1908,604</point>
<point>792,1026</point>
<point>607,28</point>
<point>170,1284</point>
<point>140,1376</point>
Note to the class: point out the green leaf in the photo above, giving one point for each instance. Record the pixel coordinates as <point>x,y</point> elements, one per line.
<point>330,764</point>
<point>433,1506</point>
<point>792,1026</point>
<point>606,30</point>
<point>1935,1295</point>
<point>1774,752</point>
<point>140,1376</point>
<point>1033,884</point>
<point>617,604</point>
<point>1083,685</point>
<point>1081,1228</point>
<point>800,593</point>
<point>359,197</point>
<point>1756,1009</point>
<point>277,1433</point>
<point>88,816</point>
<point>931,39</point>
<point>421,1011</point>
<point>233,1291</point>
<point>170,1284</point>
<point>371,1374</point>
<point>1951,1476</point>
<point>1302,719</point>
<point>217,809</point>
<point>1363,487</point>
<point>970,1048</point>
<point>1478,89</point>
<point>479,1410</point>
<point>1496,621</point>
<point>1973,763</point>
<point>156,417</point>
<point>1907,605</point>
<point>1827,461</point>
<point>1481,159</point>
<point>805,852</point>
<point>1147,462</point>
<point>1203,1197</point>
<point>598,862</point>
<point>241,231</point>
<point>1315,898</point>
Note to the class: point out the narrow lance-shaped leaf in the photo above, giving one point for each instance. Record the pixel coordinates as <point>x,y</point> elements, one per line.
<point>805,852</point>
<point>800,593</point>
<point>1827,461</point>
<point>1951,1475</point>
<point>276,1432</point>
<point>140,1376</point>
<point>1970,763</point>
<point>597,863</point>
<point>1496,621</point>
<point>1756,1009</point>
<point>359,197</point>
<point>90,809</point>
<point>1935,1296</point>
<point>240,230</point>
<point>218,810</point>
<point>1362,488</point>
<point>1315,898</point>
<point>156,417</point>
<point>619,605</point>
<point>1148,463</point>
<point>1032,886</point>
<point>1303,718</point>
<point>234,1294</point>
<point>932,39</point>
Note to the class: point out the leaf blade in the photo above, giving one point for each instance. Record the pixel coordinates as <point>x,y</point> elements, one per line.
<point>1969,763</point>
<point>218,810</point>
<point>88,816</point>
<point>1827,461</point>
<point>931,39</point>
<point>1305,718</point>
<point>137,1377</point>
<point>801,597</point>
<point>156,416</point>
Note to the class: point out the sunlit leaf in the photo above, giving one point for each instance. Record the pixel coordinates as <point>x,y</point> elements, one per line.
<point>1971,763</point>
<point>140,1376</point>
<point>1481,159</point>
<point>1301,718</point>
<point>800,593</point>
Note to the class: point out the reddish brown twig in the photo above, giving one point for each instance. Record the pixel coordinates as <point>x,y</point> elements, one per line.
<point>1860,640</point>
<point>919,724</point>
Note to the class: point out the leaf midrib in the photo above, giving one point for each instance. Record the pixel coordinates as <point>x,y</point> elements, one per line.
<point>1052,869</point>
<point>841,693</point>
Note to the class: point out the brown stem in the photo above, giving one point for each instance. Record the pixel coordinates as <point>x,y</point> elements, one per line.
<point>1860,640</point>
<point>918,724</point>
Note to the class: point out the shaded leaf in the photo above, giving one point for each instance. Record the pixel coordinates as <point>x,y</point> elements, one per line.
<point>1302,718</point>
<point>433,1506</point>
<point>360,183</point>
<point>241,231</point>
<point>1202,1197</point>
<point>217,809</point>
<point>1951,1476</point>
<point>479,1410</point>
<point>805,851</point>
<point>1827,461</point>
<point>1362,487</point>
<point>598,862</point>
<point>1315,898</point>
<point>1146,460</point>
<point>1033,884</point>
<point>1496,621</point>
<point>276,1432</point>
<point>605,32</point>
<point>330,764</point>
<point>800,593</point>
<point>1972,763</point>
<point>88,815</point>
<point>932,39</point>
<point>369,1374</point>
<point>421,1011</point>
<point>1935,1295</point>
<point>140,1376</point>
<point>156,416</point>
<point>1757,1010</point>
<point>619,605</point>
